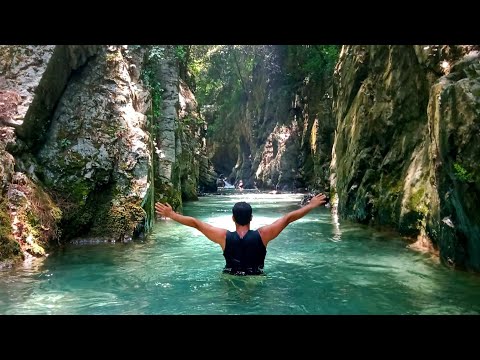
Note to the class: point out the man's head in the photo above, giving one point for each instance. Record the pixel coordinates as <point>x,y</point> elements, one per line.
<point>242,213</point>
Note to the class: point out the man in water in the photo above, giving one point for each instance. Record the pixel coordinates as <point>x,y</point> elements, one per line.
<point>244,249</point>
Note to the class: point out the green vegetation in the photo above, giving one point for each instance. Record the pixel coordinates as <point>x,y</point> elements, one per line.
<point>45,216</point>
<point>79,191</point>
<point>310,62</point>
<point>166,193</point>
<point>156,53</point>
<point>416,201</point>
<point>461,173</point>
<point>117,219</point>
<point>181,52</point>
<point>223,83</point>
<point>225,76</point>
<point>37,221</point>
<point>148,204</point>
<point>65,143</point>
<point>9,248</point>
<point>149,77</point>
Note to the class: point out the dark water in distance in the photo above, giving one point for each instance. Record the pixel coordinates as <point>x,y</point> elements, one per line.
<point>316,266</point>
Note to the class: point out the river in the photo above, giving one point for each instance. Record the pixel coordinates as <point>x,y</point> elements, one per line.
<point>316,266</point>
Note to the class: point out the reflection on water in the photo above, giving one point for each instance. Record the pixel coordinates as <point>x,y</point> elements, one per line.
<point>318,265</point>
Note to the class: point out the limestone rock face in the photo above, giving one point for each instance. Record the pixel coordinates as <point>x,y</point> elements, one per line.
<point>22,68</point>
<point>82,155</point>
<point>381,122</point>
<point>9,248</point>
<point>167,124</point>
<point>182,166</point>
<point>96,155</point>
<point>454,122</point>
<point>39,75</point>
<point>403,153</point>
<point>31,82</point>
<point>196,171</point>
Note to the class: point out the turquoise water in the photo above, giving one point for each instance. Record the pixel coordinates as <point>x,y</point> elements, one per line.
<point>316,266</point>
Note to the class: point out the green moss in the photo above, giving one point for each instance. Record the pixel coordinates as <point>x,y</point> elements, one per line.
<point>118,219</point>
<point>392,195</point>
<point>76,161</point>
<point>150,80</point>
<point>9,248</point>
<point>79,192</point>
<point>148,203</point>
<point>165,193</point>
<point>102,212</point>
<point>397,187</point>
<point>189,191</point>
<point>148,206</point>
<point>40,219</point>
<point>415,202</point>
<point>333,194</point>
<point>76,220</point>
<point>414,218</point>
<point>77,208</point>
<point>309,167</point>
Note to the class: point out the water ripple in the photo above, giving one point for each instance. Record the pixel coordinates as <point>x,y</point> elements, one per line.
<point>318,265</point>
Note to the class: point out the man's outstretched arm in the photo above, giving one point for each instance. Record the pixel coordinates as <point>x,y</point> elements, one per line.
<point>215,234</point>
<point>270,232</point>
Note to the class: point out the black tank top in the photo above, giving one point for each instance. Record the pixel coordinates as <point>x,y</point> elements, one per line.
<point>244,256</point>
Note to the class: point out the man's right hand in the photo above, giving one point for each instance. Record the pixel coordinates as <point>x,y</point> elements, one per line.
<point>318,200</point>
<point>164,210</point>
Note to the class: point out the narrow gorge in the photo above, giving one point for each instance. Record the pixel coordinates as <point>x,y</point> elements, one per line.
<point>92,136</point>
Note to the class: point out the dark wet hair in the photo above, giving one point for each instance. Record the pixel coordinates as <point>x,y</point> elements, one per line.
<point>242,213</point>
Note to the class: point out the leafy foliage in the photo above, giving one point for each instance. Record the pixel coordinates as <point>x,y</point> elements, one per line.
<point>156,53</point>
<point>65,143</point>
<point>150,79</point>
<point>461,173</point>
<point>181,52</point>
<point>224,75</point>
<point>311,62</point>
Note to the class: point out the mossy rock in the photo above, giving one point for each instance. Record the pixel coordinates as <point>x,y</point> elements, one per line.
<point>148,207</point>
<point>80,191</point>
<point>411,223</point>
<point>76,220</point>
<point>9,248</point>
<point>166,193</point>
<point>118,219</point>
<point>189,191</point>
<point>415,202</point>
<point>40,217</point>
